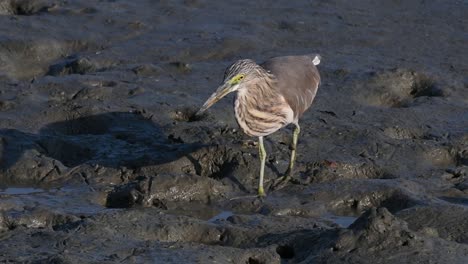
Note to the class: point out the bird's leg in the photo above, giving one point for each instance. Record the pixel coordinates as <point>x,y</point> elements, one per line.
<point>280,182</point>
<point>262,155</point>
<point>297,130</point>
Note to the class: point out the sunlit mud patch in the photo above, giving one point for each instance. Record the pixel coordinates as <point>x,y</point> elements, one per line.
<point>396,88</point>
<point>188,115</point>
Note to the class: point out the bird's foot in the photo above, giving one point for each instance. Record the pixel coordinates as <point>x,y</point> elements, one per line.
<point>282,181</point>
<point>261,192</point>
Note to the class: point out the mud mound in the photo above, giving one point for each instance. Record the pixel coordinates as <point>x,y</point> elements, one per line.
<point>72,66</point>
<point>148,70</point>
<point>352,197</point>
<point>396,88</point>
<point>36,218</point>
<point>327,171</point>
<point>378,231</point>
<point>376,228</point>
<point>372,237</point>
<point>447,222</point>
<point>162,189</point>
<point>36,53</point>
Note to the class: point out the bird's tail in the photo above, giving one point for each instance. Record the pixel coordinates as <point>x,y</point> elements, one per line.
<point>316,59</point>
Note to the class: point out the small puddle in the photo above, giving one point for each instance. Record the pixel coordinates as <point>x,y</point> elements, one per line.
<point>223,216</point>
<point>342,221</point>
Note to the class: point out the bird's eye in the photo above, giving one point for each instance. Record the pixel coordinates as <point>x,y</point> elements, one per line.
<point>236,79</point>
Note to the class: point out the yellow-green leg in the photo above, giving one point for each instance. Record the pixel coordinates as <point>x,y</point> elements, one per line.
<point>297,130</point>
<point>262,155</point>
<point>280,182</point>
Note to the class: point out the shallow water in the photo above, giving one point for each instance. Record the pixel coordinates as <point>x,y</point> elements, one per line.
<point>342,221</point>
<point>222,216</point>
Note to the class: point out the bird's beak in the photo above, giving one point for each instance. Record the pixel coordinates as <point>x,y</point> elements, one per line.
<point>222,91</point>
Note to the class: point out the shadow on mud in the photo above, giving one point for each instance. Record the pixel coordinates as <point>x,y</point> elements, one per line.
<point>115,139</point>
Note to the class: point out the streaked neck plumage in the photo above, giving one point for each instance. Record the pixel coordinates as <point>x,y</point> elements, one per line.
<point>260,110</point>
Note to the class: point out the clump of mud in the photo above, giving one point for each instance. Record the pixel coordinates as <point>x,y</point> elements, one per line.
<point>397,88</point>
<point>72,66</point>
<point>189,115</point>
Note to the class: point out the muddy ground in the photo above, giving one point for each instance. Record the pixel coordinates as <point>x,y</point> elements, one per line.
<point>102,160</point>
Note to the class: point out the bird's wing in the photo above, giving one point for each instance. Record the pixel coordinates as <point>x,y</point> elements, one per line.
<point>297,79</point>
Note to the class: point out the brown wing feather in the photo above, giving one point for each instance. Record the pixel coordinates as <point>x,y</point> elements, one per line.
<point>297,79</point>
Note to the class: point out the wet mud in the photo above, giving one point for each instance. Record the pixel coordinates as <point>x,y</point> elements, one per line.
<point>104,161</point>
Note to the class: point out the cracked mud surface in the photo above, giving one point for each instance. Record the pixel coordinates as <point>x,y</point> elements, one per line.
<point>103,161</point>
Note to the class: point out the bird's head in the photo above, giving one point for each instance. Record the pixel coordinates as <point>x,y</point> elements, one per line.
<point>235,77</point>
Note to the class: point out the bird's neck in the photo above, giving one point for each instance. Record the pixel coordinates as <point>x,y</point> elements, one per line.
<point>259,93</point>
<point>257,96</point>
<point>260,110</point>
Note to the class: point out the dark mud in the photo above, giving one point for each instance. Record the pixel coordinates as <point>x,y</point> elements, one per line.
<point>103,160</point>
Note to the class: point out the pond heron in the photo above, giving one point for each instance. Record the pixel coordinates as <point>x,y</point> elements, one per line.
<point>270,96</point>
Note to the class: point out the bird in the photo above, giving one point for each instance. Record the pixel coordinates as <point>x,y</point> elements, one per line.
<point>270,96</point>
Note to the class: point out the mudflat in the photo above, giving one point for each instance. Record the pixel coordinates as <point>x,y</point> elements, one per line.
<point>103,160</point>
